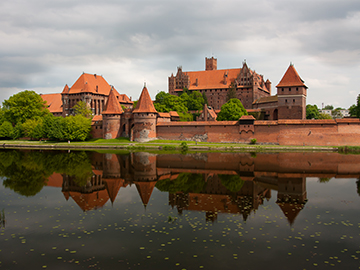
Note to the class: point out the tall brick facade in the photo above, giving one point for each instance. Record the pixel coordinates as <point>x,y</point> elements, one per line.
<point>215,83</point>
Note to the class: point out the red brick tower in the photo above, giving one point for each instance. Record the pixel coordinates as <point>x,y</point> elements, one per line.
<point>112,117</point>
<point>291,92</point>
<point>144,125</point>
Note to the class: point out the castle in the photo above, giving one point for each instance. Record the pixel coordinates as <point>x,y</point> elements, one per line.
<point>283,121</point>
<point>250,88</point>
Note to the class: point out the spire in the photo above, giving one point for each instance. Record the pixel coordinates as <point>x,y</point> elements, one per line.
<point>145,104</point>
<point>291,78</point>
<point>112,105</point>
<point>290,210</point>
<point>66,89</point>
<point>145,189</point>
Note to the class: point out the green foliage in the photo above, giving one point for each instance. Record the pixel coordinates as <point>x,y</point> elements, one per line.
<point>324,116</point>
<point>73,128</point>
<point>312,112</point>
<point>27,172</point>
<point>354,109</point>
<point>205,98</point>
<point>18,131</point>
<point>329,107</point>
<point>184,147</point>
<point>253,141</point>
<point>81,108</point>
<point>24,105</point>
<point>231,93</point>
<point>232,183</point>
<point>186,182</point>
<point>231,111</point>
<point>164,102</point>
<point>336,113</point>
<point>33,128</point>
<point>6,130</point>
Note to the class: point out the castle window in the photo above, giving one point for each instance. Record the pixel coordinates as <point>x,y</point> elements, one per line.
<point>297,89</point>
<point>289,89</point>
<point>285,100</point>
<point>293,100</point>
<point>282,89</point>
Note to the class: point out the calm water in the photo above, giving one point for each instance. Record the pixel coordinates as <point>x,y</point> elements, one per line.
<point>80,210</point>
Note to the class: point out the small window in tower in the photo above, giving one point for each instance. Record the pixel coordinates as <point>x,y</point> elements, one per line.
<point>285,100</point>
<point>294,100</point>
<point>289,89</point>
<point>282,89</point>
<point>297,89</point>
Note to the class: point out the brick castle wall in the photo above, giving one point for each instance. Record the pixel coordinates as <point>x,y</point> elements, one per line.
<point>283,132</point>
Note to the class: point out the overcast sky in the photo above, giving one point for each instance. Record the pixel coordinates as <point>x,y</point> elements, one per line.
<point>47,44</point>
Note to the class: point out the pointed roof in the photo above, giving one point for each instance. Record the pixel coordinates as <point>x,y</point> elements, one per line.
<point>291,210</point>
<point>66,89</point>
<point>112,105</point>
<point>145,104</point>
<point>145,189</point>
<point>113,186</point>
<point>291,78</point>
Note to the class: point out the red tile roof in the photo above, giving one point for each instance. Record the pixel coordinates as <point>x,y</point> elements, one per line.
<point>90,83</point>
<point>125,99</point>
<point>291,78</point>
<point>54,102</point>
<point>112,105</point>
<point>174,114</point>
<point>97,118</point>
<point>164,115</point>
<point>145,104</point>
<point>214,79</point>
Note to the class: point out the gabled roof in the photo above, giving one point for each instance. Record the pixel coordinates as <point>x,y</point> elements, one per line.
<point>291,211</point>
<point>291,78</point>
<point>125,99</point>
<point>90,83</point>
<point>53,102</point>
<point>113,105</point>
<point>145,104</point>
<point>214,79</point>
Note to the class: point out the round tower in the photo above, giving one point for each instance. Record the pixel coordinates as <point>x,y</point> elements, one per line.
<point>112,117</point>
<point>144,115</point>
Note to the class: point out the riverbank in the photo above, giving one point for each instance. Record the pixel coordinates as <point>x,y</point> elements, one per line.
<point>159,145</point>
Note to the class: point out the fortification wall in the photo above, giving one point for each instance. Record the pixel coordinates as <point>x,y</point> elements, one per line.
<point>283,132</point>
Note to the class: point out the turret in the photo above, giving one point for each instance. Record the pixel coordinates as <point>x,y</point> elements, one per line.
<point>112,117</point>
<point>291,92</point>
<point>144,126</point>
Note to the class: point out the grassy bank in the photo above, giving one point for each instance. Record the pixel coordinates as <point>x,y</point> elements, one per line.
<point>158,145</point>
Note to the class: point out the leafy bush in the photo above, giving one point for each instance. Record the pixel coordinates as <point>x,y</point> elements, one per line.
<point>253,141</point>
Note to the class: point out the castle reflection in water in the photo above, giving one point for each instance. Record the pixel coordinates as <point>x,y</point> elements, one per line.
<point>213,183</point>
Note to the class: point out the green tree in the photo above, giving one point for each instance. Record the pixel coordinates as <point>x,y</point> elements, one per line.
<point>231,93</point>
<point>33,128</point>
<point>205,98</point>
<point>231,110</point>
<point>312,112</point>
<point>24,105</point>
<point>18,131</point>
<point>81,108</point>
<point>329,107</point>
<point>165,102</point>
<point>354,109</point>
<point>232,183</point>
<point>324,116</point>
<point>185,182</point>
<point>6,130</point>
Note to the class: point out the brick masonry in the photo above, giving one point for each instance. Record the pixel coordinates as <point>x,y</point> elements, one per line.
<point>282,132</point>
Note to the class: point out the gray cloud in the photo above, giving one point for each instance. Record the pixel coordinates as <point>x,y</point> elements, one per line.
<point>46,44</point>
